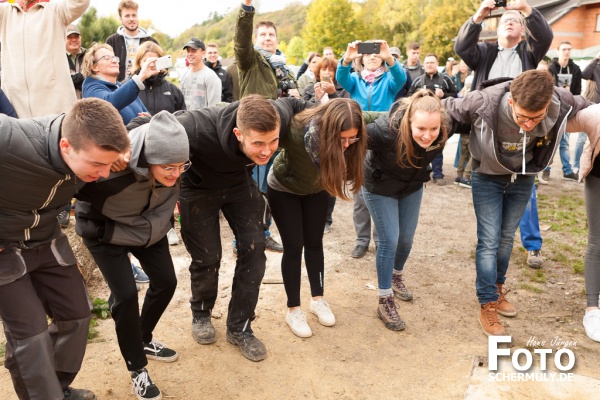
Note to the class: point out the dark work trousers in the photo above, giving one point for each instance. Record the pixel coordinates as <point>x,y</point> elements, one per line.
<point>244,208</point>
<point>133,329</point>
<point>43,360</point>
<point>300,220</point>
<point>330,208</point>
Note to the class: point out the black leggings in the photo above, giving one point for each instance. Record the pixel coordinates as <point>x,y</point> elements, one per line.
<point>300,220</point>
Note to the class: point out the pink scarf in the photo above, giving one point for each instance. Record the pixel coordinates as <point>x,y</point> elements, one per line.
<point>371,76</point>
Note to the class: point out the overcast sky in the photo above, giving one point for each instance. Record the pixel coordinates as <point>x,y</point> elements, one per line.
<point>174,16</point>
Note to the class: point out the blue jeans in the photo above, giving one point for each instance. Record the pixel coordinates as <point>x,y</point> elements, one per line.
<point>499,205</point>
<point>531,237</point>
<point>565,156</point>
<point>395,219</point>
<point>579,149</point>
<point>437,165</point>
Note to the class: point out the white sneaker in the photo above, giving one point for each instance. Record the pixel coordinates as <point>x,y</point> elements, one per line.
<point>321,309</point>
<point>172,237</point>
<point>591,323</point>
<point>296,319</point>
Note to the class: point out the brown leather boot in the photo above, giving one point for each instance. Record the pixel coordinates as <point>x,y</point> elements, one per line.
<point>488,318</point>
<point>504,307</point>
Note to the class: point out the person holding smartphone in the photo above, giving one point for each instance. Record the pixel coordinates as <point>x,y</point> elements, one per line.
<point>326,86</point>
<point>376,80</point>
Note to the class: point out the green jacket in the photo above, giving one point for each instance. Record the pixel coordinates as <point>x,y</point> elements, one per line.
<point>293,167</point>
<point>255,73</point>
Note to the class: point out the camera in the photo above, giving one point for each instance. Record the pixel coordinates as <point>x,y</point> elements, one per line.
<point>500,3</point>
<point>284,86</point>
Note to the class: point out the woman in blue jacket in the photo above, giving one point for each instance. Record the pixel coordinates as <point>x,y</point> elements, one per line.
<point>131,211</point>
<point>101,68</point>
<point>401,146</point>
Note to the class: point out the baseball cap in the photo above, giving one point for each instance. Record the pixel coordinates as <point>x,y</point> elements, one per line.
<point>195,43</point>
<point>395,51</point>
<point>73,29</point>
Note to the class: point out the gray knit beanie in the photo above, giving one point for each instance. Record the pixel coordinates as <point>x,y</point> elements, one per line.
<point>166,140</point>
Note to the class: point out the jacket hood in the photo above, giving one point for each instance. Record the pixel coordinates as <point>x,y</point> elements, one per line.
<point>141,33</point>
<point>52,126</point>
<point>216,66</point>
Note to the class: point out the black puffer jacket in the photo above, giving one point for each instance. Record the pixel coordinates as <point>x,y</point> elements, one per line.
<point>382,174</point>
<point>160,94</point>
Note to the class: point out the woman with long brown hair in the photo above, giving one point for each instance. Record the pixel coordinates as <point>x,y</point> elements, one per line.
<point>401,146</point>
<point>322,155</point>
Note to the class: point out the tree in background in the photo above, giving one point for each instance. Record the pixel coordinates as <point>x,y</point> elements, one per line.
<point>330,23</point>
<point>94,29</point>
<point>295,51</point>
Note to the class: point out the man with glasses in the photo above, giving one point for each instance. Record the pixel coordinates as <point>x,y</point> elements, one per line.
<point>508,57</point>
<point>515,132</point>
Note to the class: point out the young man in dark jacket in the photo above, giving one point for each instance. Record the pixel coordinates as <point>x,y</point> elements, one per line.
<point>212,61</point>
<point>128,38</point>
<point>54,157</point>
<point>225,144</point>
<point>515,133</point>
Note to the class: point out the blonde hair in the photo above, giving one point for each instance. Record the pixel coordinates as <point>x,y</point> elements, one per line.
<point>89,60</point>
<point>147,47</point>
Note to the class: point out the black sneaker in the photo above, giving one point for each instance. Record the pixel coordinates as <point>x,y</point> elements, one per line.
<point>466,183</point>
<point>142,387</point>
<point>457,180</point>
<point>203,330</point>
<point>64,218</point>
<point>271,244</point>
<point>250,346</point>
<point>155,350</point>
<point>78,394</point>
<point>571,177</point>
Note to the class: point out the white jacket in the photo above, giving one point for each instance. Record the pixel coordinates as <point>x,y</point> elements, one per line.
<point>35,71</point>
<point>588,121</point>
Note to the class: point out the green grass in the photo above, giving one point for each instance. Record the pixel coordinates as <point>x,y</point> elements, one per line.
<point>100,310</point>
<point>531,288</point>
<point>538,276</point>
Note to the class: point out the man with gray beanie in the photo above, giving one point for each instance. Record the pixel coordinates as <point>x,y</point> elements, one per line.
<point>132,211</point>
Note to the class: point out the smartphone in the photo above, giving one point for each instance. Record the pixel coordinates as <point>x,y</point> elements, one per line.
<point>500,3</point>
<point>326,78</point>
<point>369,48</point>
<point>164,62</point>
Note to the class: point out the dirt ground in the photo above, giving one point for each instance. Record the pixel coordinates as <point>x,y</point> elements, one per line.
<point>359,358</point>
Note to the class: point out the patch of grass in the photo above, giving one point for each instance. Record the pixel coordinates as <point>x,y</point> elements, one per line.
<point>578,267</point>
<point>100,310</point>
<point>2,350</point>
<point>538,276</point>
<point>531,288</point>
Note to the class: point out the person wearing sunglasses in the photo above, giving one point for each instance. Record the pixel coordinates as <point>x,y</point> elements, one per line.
<point>101,69</point>
<point>322,156</point>
<point>515,133</point>
<point>132,211</point>
<point>401,146</point>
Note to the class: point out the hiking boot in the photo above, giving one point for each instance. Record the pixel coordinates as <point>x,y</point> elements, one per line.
<point>571,177</point>
<point>400,290</point>
<point>155,350</point>
<point>504,307</point>
<point>296,320</point>
<point>488,318</point>
<point>139,275</point>
<point>142,386</point>
<point>203,330</point>
<point>534,259</point>
<point>386,311</point>
<point>466,183</point>
<point>359,251</point>
<point>271,244</point>
<point>250,346</point>
<point>439,181</point>
<point>64,218</point>
<point>541,179</point>
<point>321,309</point>
<point>78,394</point>
<point>546,175</point>
<point>172,237</point>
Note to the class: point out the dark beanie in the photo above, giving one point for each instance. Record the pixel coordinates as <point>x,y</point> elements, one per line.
<point>166,140</point>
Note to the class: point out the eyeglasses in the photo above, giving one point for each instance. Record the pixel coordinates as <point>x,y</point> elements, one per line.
<point>350,140</point>
<point>107,57</point>
<point>182,168</point>
<point>522,118</point>
<point>515,21</point>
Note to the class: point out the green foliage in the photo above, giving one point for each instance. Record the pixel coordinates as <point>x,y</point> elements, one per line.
<point>330,23</point>
<point>100,308</point>
<point>295,51</point>
<point>94,29</point>
<point>2,351</point>
<point>531,288</point>
<point>92,332</point>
